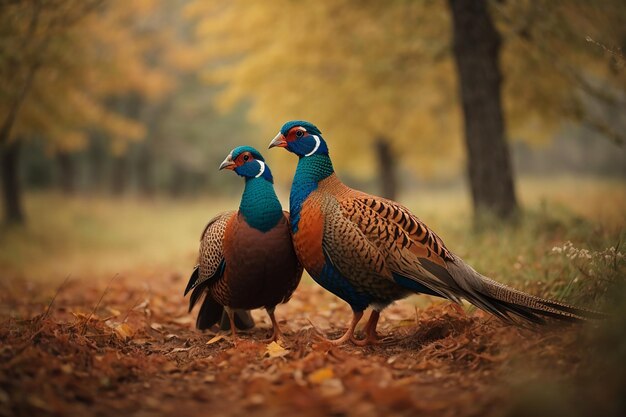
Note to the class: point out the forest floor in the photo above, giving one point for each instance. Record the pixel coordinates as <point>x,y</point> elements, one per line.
<point>129,349</point>
<point>116,337</point>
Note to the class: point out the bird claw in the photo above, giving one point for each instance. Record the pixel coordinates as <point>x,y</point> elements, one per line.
<point>349,334</point>
<point>335,342</point>
<point>368,341</point>
<point>338,342</point>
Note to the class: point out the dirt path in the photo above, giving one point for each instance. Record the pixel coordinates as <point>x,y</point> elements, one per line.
<point>138,354</point>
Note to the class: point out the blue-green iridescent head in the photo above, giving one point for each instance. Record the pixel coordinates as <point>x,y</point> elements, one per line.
<point>248,163</point>
<point>301,138</point>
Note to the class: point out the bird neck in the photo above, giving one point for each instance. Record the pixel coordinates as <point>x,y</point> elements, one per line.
<point>310,171</point>
<point>259,205</point>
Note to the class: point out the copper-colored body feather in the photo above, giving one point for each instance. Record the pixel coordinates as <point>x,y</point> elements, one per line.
<point>261,268</point>
<point>371,240</point>
<point>240,267</point>
<point>371,251</point>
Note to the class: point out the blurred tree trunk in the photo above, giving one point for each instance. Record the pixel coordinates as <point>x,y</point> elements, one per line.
<point>129,105</point>
<point>10,151</point>
<point>21,78</point>
<point>385,157</point>
<point>145,163</point>
<point>177,180</point>
<point>153,117</point>
<point>11,189</point>
<point>119,175</point>
<point>476,50</point>
<point>98,157</point>
<point>67,168</point>
<point>16,104</point>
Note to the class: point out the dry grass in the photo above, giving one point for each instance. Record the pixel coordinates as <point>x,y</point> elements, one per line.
<point>97,237</point>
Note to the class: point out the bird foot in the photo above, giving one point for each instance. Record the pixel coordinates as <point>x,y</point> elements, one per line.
<point>349,334</point>
<point>345,338</point>
<point>335,342</point>
<point>275,337</point>
<point>368,341</point>
<point>319,335</point>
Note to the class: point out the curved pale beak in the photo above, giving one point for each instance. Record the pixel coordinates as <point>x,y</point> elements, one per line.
<point>279,140</point>
<point>228,162</point>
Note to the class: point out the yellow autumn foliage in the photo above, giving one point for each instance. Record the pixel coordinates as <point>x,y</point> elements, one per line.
<point>356,70</point>
<point>84,53</point>
<point>362,70</point>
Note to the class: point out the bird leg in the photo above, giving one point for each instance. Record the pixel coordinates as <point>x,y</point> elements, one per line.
<point>370,331</point>
<point>276,334</point>
<point>231,317</point>
<point>349,334</point>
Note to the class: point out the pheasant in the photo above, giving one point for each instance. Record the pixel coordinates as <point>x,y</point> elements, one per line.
<point>371,251</point>
<point>246,259</point>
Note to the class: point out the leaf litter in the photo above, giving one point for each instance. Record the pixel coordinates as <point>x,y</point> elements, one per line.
<point>147,359</point>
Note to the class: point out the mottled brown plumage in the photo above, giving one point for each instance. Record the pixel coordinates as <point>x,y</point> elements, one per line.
<point>258,261</point>
<point>246,258</point>
<point>371,251</point>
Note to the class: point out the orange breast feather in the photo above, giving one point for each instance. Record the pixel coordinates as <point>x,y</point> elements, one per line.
<point>308,239</point>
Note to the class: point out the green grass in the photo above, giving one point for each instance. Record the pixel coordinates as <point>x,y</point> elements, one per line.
<point>92,238</point>
<point>589,212</point>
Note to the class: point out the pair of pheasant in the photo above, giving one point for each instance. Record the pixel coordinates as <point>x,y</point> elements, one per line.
<point>367,250</point>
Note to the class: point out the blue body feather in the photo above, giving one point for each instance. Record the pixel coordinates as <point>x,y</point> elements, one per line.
<point>310,171</point>
<point>259,205</point>
<point>332,280</point>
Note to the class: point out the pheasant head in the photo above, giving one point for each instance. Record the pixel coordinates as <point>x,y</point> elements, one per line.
<point>248,163</point>
<point>301,138</point>
<point>259,205</point>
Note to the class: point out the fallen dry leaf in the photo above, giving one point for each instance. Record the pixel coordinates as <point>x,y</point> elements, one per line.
<point>215,339</point>
<point>332,387</point>
<point>445,365</point>
<point>321,375</point>
<point>114,312</point>
<point>156,326</point>
<point>179,349</point>
<point>275,350</point>
<point>122,330</point>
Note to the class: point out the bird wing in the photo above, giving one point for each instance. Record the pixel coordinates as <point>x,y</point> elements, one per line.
<point>211,257</point>
<point>411,250</point>
<point>349,249</point>
<point>393,236</point>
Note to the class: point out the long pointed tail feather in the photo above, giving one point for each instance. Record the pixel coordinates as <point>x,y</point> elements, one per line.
<point>243,320</point>
<point>193,280</point>
<point>509,303</point>
<point>535,306</point>
<point>211,312</point>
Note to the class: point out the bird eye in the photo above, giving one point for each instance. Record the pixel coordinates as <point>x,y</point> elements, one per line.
<point>299,133</point>
<point>246,157</point>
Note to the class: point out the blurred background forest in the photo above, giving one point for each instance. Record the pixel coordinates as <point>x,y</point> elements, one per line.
<point>115,115</point>
<point>500,123</point>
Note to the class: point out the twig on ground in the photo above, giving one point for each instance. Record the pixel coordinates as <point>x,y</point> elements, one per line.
<point>82,331</point>
<point>58,291</point>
